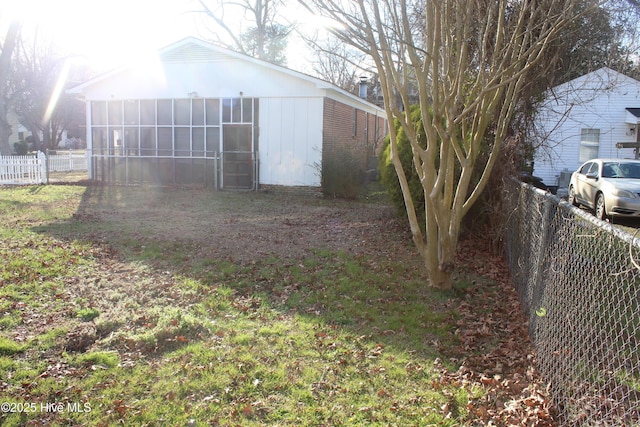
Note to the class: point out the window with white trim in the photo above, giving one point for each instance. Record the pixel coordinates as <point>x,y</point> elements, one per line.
<point>589,144</point>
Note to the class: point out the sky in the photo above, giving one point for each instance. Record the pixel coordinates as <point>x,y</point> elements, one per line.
<point>106,33</point>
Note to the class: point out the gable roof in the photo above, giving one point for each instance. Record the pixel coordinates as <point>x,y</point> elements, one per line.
<point>194,50</point>
<point>601,79</point>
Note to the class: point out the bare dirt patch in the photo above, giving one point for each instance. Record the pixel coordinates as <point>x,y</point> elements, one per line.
<point>248,226</point>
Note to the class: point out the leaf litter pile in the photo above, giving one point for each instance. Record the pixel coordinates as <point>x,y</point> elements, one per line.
<point>166,306</point>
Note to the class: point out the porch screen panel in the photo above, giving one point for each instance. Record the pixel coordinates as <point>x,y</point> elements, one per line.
<point>148,141</point>
<point>148,112</point>
<point>182,142</point>
<point>236,110</point>
<point>197,141</point>
<point>116,168</point>
<point>115,112</point>
<point>165,112</point>
<point>247,110</point>
<point>165,142</point>
<point>212,141</point>
<point>98,113</point>
<point>212,108</point>
<point>115,141</point>
<point>131,142</point>
<point>182,112</point>
<point>197,112</point>
<point>100,140</point>
<point>226,110</point>
<point>99,164</point>
<point>131,112</point>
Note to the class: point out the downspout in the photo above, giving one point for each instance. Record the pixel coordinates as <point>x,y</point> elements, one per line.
<point>637,150</point>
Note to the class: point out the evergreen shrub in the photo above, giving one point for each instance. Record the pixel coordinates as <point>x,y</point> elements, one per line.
<point>387,172</point>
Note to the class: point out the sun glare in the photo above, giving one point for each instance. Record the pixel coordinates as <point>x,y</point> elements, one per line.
<point>57,91</point>
<point>106,33</point>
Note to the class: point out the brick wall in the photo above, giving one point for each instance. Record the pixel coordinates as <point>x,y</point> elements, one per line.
<point>348,128</point>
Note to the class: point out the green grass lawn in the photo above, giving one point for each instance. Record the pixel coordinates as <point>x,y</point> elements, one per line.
<point>137,306</point>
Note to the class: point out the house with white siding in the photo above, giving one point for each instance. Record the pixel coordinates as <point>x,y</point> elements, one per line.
<point>595,115</point>
<point>200,114</point>
<point>18,131</point>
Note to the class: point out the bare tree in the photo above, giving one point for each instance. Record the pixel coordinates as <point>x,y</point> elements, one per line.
<point>7,49</point>
<point>264,38</point>
<point>336,62</point>
<point>469,61</point>
<point>602,36</point>
<point>40,78</point>
<point>625,21</point>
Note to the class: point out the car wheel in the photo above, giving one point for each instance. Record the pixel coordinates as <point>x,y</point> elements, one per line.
<point>572,197</point>
<point>601,212</point>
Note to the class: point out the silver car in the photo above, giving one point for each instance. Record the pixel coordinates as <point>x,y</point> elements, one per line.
<point>611,187</point>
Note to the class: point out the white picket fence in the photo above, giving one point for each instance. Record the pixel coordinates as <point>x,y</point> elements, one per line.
<point>23,169</point>
<point>34,169</point>
<point>67,162</point>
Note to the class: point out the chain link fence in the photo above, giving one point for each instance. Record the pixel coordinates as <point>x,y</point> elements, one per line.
<point>579,284</point>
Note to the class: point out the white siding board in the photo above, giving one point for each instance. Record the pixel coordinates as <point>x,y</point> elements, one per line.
<point>289,146</point>
<point>288,169</point>
<point>269,137</point>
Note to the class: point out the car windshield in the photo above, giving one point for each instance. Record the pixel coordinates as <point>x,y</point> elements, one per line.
<point>621,170</point>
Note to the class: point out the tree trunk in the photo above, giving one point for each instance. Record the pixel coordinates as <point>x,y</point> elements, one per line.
<point>5,132</point>
<point>35,137</point>
<point>441,275</point>
<point>442,239</point>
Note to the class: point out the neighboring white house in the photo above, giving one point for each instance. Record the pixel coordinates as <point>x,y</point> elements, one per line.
<point>18,132</point>
<point>199,113</point>
<point>595,115</point>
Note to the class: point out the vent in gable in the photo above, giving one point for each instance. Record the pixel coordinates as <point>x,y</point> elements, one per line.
<point>193,53</point>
